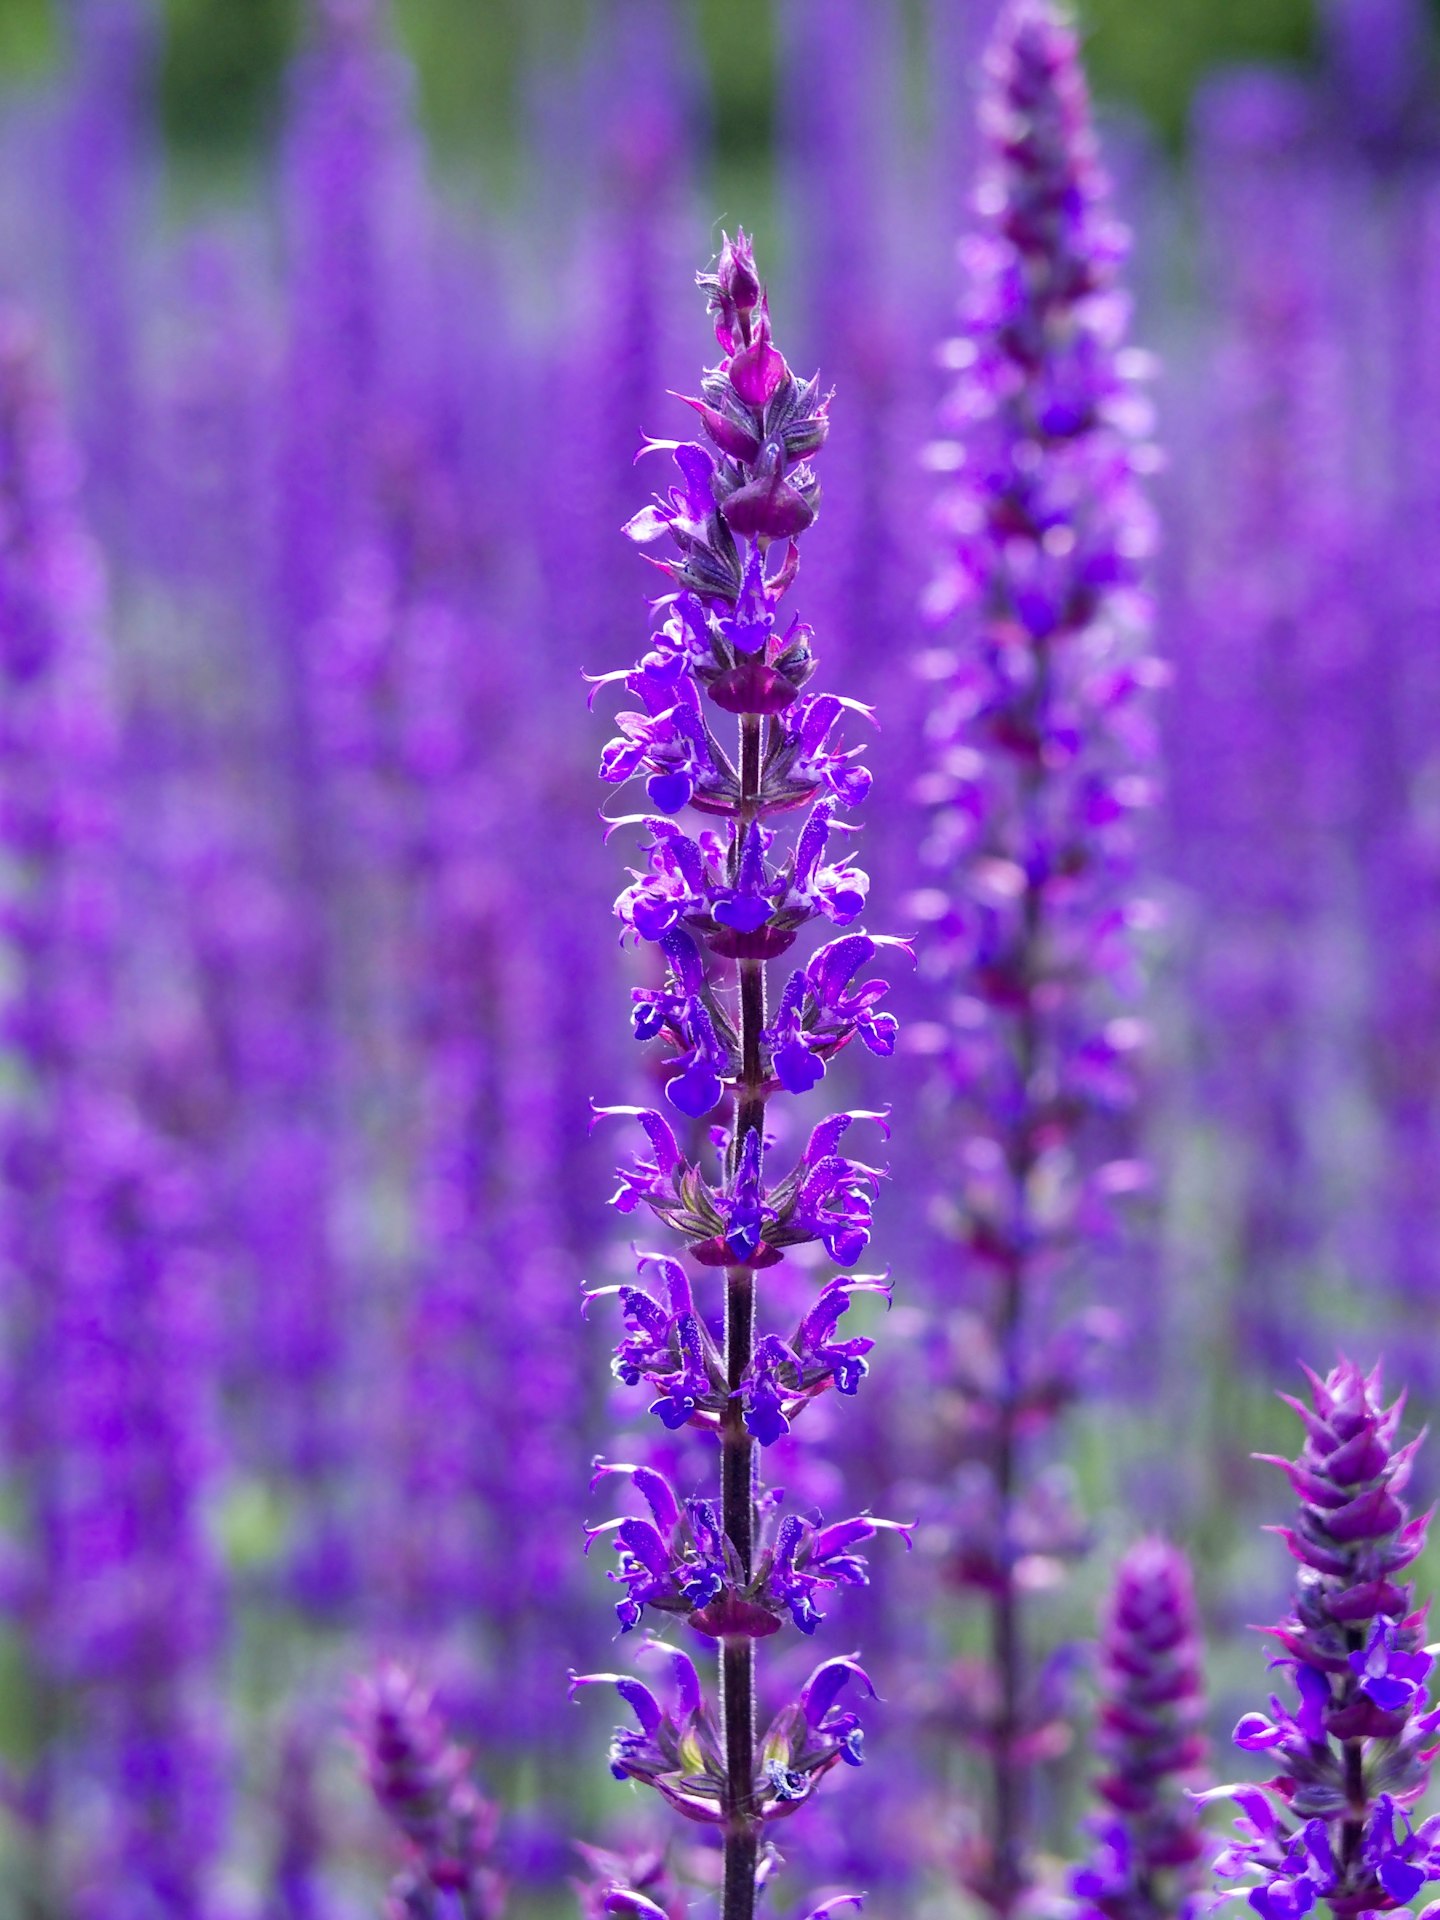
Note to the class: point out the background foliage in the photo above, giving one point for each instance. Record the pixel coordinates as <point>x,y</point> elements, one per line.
<point>225,57</point>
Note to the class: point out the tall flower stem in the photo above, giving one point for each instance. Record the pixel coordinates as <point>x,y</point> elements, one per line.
<point>742,1831</point>
<point>737,1680</point>
<point>725,891</point>
<point>1040,743</point>
<point>737,1463</point>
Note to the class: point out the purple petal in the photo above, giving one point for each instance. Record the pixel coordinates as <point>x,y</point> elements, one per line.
<point>696,1091</point>
<point>824,1686</point>
<point>797,1068</point>
<point>746,913</point>
<point>756,371</point>
<point>687,1681</point>
<point>768,510</point>
<point>1254,1733</point>
<point>670,791</point>
<point>1399,1879</point>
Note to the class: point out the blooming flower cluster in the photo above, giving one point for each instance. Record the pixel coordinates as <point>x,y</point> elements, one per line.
<point>677,1747</point>
<point>723,892</point>
<point>668,1345</point>
<point>1353,1751</point>
<point>1148,1848</point>
<point>681,1562</point>
<point>1038,748</point>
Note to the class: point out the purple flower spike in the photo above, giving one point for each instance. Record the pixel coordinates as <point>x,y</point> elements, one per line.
<point>1333,1824</point>
<point>1038,746</point>
<point>420,1780</point>
<point>722,732</point>
<point>1147,1842</point>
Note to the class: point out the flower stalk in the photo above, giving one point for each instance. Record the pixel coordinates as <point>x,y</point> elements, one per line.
<point>724,893</point>
<point>1039,741</point>
<point>737,1462</point>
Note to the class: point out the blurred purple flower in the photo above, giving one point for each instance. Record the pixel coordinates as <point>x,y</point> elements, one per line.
<point>421,1782</point>
<point>1040,752</point>
<point>111,1358</point>
<point>1147,1845</point>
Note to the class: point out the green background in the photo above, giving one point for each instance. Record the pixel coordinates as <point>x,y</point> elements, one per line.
<point>223,58</point>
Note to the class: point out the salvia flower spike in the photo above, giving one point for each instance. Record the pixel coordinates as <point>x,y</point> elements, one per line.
<point>1038,755</point>
<point>746,779</point>
<point>1354,1736</point>
<point>1148,1849</point>
<point>420,1779</point>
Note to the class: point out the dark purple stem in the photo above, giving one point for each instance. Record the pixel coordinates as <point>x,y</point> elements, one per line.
<point>737,1468</point>
<point>1352,1832</point>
